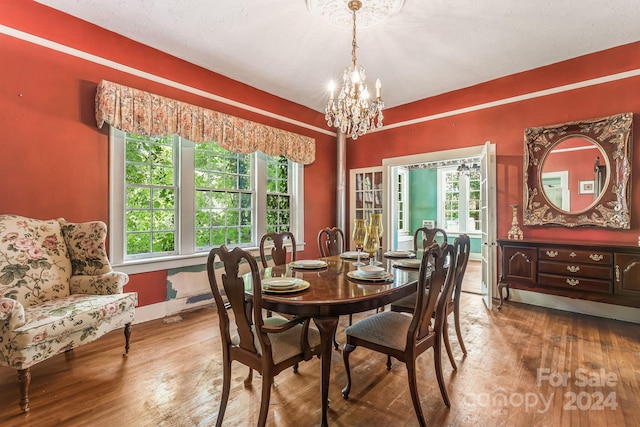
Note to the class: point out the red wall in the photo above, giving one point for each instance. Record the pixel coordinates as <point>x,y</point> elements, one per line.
<point>504,125</point>
<point>55,162</point>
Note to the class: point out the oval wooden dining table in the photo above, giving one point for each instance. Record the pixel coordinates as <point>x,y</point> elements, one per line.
<point>331,294</point>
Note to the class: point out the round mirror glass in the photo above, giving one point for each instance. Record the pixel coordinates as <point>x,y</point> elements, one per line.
<point>574,173</point>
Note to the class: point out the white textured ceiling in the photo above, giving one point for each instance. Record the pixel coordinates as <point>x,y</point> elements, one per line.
<point>429,47</point>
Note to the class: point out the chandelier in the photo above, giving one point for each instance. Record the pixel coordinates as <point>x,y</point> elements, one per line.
<point>352,111</point>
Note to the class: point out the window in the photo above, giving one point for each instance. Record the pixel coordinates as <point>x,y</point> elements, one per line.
<point>224,197</point>
<point>278,198</point>
<point>173,199</point>
<point>402,202</point>
<point>150,202</point>
<point>459,200</point>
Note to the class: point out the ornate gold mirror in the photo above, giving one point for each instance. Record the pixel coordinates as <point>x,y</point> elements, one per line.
<point>579,173</point>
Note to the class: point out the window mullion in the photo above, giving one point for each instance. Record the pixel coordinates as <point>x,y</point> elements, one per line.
<point>185,221</point>
<point>260,196</point>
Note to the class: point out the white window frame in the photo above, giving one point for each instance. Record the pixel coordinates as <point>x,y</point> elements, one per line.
<point>403,196</point>
<point>186,253</point>
<point>463,202</point>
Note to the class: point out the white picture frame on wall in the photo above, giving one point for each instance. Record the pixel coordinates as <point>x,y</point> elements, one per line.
<point>586,187</point>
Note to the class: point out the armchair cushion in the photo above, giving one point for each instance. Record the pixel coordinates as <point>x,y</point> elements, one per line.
<point>86,246</point>
<point>34,263</point>
<point>63,316</point>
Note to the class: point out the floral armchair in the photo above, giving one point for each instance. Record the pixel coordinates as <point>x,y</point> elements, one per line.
<point>57,292</point>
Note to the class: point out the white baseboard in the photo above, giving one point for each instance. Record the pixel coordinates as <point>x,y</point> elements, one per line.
<point>592,308</point>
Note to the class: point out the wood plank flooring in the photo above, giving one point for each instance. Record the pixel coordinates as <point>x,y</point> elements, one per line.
<point>173,376</point>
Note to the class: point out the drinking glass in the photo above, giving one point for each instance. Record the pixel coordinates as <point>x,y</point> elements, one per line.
<point>371,242</point>
<point>376,221</point>
<point>359,231</point>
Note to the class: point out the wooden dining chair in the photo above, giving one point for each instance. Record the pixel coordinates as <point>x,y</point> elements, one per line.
<point>406,337</point>
<point>278,250</point>
<point>331,241</point>
<point>462,248</point>
<point>267,345</point>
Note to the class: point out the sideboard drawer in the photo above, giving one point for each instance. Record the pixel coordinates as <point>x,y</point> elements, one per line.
<point>575,283</point>
<point>575,256</point>
<point>576,270</point>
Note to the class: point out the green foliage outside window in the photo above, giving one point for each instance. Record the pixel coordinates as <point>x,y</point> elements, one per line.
<point>278,198</point>
<point>223,189</point>
<point>150,195</point>
<point>224,197</point>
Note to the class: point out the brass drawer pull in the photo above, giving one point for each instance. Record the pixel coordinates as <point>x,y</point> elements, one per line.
<point>596,257</point>
<point>573,255</point>
<point>552,254</point>
<point>573,282</point>
<point>617,273</point>
<point>573,268</point>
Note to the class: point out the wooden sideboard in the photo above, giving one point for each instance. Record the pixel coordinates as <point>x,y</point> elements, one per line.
<point>595,271</point>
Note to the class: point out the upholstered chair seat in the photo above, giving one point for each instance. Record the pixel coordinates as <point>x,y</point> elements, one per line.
<point>387,329</point>
<point>284,345</point>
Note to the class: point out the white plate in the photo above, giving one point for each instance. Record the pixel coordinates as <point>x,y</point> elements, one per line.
<point>387,277</point>
<point>308,263</point>
<point>399,254</point>
<point>371,271</point>
<point>354,255</point>
<point>280,282</point>
<point>300,286</point>
<point>408,263</point>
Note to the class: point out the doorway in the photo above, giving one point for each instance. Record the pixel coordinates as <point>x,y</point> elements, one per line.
<point>472,210</point>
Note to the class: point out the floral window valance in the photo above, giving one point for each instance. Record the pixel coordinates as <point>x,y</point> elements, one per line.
<point>143,113</point>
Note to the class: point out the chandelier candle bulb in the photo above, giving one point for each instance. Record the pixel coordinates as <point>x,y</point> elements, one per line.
<point>378,88</point>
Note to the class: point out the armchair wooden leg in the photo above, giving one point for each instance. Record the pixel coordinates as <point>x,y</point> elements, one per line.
<point>24,378</point>
<point>264,401</point>
<point>226,386</point>
<point>127,338</point>
<point>456,316</point>
<point>447,344</point>
<point>249,379</point>
<point>437,348</point>
<point>413,389</point>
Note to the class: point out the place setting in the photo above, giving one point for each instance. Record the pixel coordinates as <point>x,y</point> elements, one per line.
<point>409,263</point>
<point>370,273</point>
<point>308,264</point>
<point>399,254</point>
<point>283,285</point>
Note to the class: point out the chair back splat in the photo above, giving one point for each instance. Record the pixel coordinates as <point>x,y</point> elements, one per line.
<point>331,241</point>
<point>278,250</point>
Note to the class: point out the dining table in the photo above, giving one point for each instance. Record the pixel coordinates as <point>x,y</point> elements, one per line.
<point>332,288</point>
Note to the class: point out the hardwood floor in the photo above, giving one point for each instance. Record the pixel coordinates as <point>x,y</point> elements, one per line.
<point>172,377</point>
